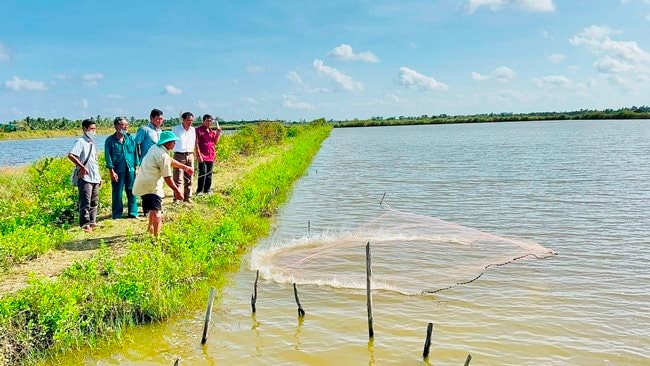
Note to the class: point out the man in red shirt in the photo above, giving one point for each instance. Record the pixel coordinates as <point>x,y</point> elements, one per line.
<point>206,143</point>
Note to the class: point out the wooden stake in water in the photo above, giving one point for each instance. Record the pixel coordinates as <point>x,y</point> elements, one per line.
<point>309,227</point>
<point>301,312</point>
<point>208,316</point>
<point>427,342</point>
<point>178,362</point>
<point>469,358</point>
<point>371,332</point>
<point>254,296</point>
<point>382,199</point>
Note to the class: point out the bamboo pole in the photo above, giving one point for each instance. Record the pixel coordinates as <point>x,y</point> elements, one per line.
<point>301,312</point>
<point>469,358</point>
<point>427,342</point>
<point>208,316</point>
<point>308,227</point>
<point>254,296</point>
<point>371,331</point>
<point>382,199</point>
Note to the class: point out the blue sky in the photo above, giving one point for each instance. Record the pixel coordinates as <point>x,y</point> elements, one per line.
<point>309,59</point>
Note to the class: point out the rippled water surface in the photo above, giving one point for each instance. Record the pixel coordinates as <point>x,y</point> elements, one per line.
<point>581,188</point>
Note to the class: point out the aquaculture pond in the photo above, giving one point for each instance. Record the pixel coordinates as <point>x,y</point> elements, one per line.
<point>578,189</point>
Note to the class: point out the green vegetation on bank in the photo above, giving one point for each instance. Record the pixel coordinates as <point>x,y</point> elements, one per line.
<point>41,127</point>
<point>57,127</point>
<point>642,112</point>
<point>100,295</point>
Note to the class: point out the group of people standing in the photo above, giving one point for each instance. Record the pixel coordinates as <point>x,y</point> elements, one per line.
<point>138,165</point>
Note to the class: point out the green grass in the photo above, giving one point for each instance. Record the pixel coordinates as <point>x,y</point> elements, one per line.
<point>99,296</point>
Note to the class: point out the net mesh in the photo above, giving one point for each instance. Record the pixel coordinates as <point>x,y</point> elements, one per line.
<point>411,254</point>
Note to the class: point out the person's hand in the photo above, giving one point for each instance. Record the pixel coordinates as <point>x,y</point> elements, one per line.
<point>114,176</point>
<point>189,170</point>
<point>82,171</point>
<point>200,157</point>
<point>178,195</point>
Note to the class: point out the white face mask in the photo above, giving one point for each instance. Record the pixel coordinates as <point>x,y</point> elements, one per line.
<point>91,133</point>
<point>124,132</point>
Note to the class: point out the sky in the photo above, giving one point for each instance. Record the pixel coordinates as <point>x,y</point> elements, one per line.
<point>337,59</point>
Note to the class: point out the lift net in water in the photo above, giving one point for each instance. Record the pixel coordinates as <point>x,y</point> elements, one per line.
<point>411,254</point>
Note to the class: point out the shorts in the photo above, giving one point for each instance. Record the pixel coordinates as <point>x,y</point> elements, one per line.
<point>151,202</point>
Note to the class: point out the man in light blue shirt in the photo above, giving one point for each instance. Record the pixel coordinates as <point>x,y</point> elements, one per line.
<point>148,135</point>
<point>84,155</point>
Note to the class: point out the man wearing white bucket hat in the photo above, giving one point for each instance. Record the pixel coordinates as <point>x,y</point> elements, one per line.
<point>155,168</point>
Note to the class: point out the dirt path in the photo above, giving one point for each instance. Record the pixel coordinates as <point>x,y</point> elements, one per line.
<point>113,233</point>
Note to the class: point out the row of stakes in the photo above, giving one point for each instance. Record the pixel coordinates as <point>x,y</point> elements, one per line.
<point>301,311</point>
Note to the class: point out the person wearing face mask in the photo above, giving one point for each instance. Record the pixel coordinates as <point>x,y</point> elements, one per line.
<point>84,155</point>
<point>122,161</point>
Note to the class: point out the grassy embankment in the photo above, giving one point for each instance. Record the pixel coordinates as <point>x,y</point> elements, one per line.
<point>102,294</point>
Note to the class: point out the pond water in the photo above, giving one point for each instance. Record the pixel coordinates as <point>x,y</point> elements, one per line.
<point>19,152</point>
<point>23,151</point>
<point>580,188</point>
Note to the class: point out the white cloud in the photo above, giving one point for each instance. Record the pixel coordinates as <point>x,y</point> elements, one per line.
<point>556,58</point>
<point>294,77</point>
<point>115,96</point>
<point>610,65</point>
<point>171,90</point>
<point>547,35</point>
<point>17,84</point>
<point>617,56</point>
<point>255,68</point>
<point>291,102</point>
<point>202,105</point>
<point>527,5</point>
<point>553,82</point>
<point>249,100</point>
<point>414,79</point>
<point>4,54</point>
<point>480,77</point>
<point>338,77</point>
<point>344,52</point>
<point>92,79</point>
<point>502,73</point>
<point>235,81</point>
<point>84,103</point>
<point>61,76</point>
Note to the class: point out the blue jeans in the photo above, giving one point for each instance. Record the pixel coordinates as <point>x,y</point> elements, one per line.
<point>124,183</point>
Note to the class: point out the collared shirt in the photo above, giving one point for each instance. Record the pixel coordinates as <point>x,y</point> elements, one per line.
<point>206,139</point>
<point>187,139</point>
<point>84,149</point>
<point>155,166</point>
<point>147,137</point>
<point>121,156</point>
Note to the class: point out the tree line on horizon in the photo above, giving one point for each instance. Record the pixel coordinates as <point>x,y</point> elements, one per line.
<point>642,112</point>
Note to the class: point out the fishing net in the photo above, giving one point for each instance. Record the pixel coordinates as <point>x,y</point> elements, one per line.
<point>411,254</point>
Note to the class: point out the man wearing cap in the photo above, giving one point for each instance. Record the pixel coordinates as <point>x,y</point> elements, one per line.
<point>155,168</point>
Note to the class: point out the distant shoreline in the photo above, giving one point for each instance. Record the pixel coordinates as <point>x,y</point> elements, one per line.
<point>32,128</point>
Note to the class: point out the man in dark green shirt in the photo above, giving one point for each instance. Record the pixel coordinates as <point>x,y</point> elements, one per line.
<point>122,161</point>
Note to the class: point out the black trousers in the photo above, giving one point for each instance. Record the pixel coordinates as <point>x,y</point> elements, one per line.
<point>88,202</point>
<point>205,177</point>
